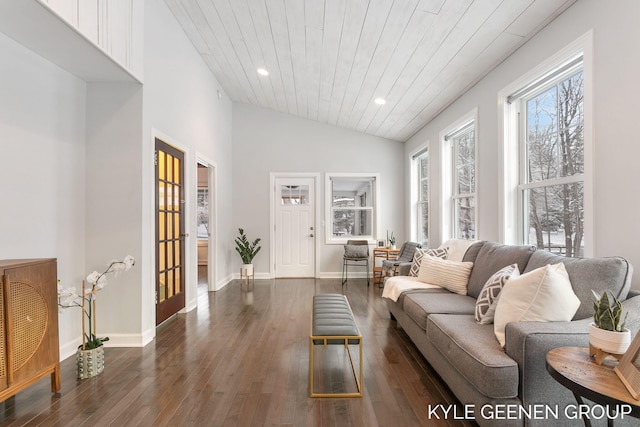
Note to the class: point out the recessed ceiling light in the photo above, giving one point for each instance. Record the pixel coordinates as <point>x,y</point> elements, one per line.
<point>380,101</point>
<point>263,72</point>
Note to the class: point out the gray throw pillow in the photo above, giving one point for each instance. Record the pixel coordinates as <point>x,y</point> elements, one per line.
<point>356,251</point>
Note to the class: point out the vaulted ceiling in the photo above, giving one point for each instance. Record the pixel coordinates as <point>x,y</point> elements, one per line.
<point>329,60</point>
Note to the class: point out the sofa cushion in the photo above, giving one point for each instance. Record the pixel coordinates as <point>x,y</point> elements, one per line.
<point>472,251</point>
<point>488,299</point>
<point>420,305</point>
<point>600,274</point>
<point>473,350</point>
<point>542,295</point>
<point>491,258</point>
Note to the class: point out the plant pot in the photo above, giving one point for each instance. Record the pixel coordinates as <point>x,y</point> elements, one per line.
<point>247,269</point>
<point>90,362</point>
<point>612,342</point>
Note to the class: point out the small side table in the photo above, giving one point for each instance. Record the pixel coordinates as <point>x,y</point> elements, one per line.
<point>246,276</point>
<point>384,254</point>
<point>574,368</point>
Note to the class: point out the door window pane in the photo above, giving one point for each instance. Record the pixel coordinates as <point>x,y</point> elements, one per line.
<point>294,194</point>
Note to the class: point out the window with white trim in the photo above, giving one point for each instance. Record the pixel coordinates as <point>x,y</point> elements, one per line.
<point>549,117</point>
<point>459,180</point>
<point>421,191</point>
<point>352,202</point>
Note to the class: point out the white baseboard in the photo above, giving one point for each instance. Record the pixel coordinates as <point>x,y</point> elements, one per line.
<point>338,275</point>
<point>126,340</point>
<point>69,349</point>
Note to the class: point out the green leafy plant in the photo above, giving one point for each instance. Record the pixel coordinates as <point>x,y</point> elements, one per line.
<point>247,250</point>
<point>608,313</point>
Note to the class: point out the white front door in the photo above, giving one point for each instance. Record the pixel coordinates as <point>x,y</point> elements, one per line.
<point>294,227</point>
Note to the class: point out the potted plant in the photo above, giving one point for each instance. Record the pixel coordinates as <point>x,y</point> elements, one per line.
<point>247,250</point>
<point>90,355</point>
<point>607,332</point>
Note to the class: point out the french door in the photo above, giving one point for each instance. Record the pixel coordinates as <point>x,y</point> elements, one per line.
<point>169,231</point>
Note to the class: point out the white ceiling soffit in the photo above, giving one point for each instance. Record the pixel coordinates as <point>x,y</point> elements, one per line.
<point>328,60</point>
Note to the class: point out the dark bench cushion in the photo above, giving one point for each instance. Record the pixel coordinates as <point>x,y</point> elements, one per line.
<point>332,316</point>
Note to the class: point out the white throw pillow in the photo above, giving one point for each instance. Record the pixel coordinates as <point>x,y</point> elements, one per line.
<point>451,275</point>
<point>419,253</point>
<point>541,295</point>
<point>488,299</point>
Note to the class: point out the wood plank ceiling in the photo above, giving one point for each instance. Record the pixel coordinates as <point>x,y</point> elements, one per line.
<point>328,60</point>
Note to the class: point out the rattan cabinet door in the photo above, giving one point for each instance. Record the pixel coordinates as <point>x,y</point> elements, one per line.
<point>29,324</point>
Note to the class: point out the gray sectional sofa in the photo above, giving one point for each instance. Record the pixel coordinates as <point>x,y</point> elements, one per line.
<point>487,378</point>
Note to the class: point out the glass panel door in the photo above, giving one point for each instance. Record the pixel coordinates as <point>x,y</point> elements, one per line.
<point>169,231</point>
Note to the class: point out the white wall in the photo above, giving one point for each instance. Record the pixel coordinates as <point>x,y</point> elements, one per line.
<point>78,177</point>
<point>184,104</point>
<point>42,168</point>
<point>114,206</point>
<point>266,141</point>
<point>616,106</point>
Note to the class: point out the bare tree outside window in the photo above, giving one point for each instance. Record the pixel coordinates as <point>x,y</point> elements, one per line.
<point>464,183</point>
<point>423,199</point>
<point>553,183</point>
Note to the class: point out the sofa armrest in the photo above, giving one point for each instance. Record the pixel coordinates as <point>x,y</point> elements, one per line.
<point>528,344</point>
<point>632,306</point>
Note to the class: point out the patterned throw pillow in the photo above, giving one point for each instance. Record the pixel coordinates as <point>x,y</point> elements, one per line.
<point>420,253</point>
<point>488,298</point>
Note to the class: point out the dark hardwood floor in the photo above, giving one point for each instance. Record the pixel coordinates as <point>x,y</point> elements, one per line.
<point>241,359</point>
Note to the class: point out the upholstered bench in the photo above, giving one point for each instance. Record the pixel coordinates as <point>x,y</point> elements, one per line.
<point>332,323</point>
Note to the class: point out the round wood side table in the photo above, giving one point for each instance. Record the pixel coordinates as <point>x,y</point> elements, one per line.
<point>574,368</point>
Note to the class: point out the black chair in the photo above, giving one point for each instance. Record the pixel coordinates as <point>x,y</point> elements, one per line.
<point>356,253</point>
<point>404,256</point>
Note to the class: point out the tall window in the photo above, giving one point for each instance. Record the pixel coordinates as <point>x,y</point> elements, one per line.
<point>352,202</point>
<point>459,155</point>
<point>551,166</point>
<point>421,161</point>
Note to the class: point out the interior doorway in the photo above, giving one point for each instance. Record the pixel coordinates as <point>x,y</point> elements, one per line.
<point>206,223</point>
<point>202,227</point>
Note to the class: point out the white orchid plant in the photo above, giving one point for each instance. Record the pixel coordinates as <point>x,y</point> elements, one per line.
<point>95,281</point>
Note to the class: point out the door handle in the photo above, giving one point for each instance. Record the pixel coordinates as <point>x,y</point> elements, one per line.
<point>310,235</point>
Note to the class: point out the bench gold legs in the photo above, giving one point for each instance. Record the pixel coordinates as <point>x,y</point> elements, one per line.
<point>357,376</point>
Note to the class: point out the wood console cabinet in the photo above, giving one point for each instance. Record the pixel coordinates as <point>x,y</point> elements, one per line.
<point>29,349</point>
